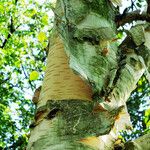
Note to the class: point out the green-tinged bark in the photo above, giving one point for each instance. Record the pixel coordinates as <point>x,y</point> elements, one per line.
<point>86,109</point>
<point>142,143</point>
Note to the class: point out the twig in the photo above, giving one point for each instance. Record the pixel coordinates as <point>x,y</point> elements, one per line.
<point>26,76</point>
<point>11,31</point>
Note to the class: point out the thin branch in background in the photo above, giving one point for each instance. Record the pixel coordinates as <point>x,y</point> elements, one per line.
<point>148,7</point>
<point>133,16</point>
<point>16,2</point>
<point>133,5</point>
<point>130,17</point>
<point>11,28</point>
<point>26,76</point>
<point>3,81</point>
<point>11,31</point>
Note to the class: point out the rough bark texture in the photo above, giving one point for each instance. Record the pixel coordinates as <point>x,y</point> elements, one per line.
<point>73,118</point>
<point>60,81</point>
<point>142,143</point>
<point>85,107</point>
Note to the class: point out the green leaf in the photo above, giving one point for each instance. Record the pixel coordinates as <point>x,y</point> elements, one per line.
<point>2,9</point>
<point>147,112</point>
<point>30,13</point>
<point>45,19</point>
<point>148,124</point>
<point>41,37</point>
<point>120,35</point>
<point>44,68</point>
<point>140,82</point>
<point>140,89</point>
<point>34,75</point>
<point>147,117</point>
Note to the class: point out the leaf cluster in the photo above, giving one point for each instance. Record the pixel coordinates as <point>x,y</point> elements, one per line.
<point>24,28</point>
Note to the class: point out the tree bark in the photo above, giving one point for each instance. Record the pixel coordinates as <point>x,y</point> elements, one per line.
<point>141,143</point>
<point>89,78</point>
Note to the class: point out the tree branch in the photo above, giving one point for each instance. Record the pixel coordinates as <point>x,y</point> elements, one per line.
<point>130,17</point>
<point>11,31</point>
<point>16,2</point>
<point>26,76</point>
<point>148,8</point>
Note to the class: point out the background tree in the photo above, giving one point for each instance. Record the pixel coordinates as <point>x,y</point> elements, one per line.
<point>24,28</point>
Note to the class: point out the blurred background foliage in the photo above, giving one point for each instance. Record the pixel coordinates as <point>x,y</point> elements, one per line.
<point>25,26</point>
<point>139,110</point>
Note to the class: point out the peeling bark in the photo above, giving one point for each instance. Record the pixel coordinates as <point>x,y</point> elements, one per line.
<point>82,104</point>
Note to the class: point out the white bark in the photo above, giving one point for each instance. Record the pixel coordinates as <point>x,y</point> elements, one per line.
<point>68,116</point>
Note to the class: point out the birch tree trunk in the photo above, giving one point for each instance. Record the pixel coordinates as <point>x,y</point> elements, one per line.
<point>89,77</point>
